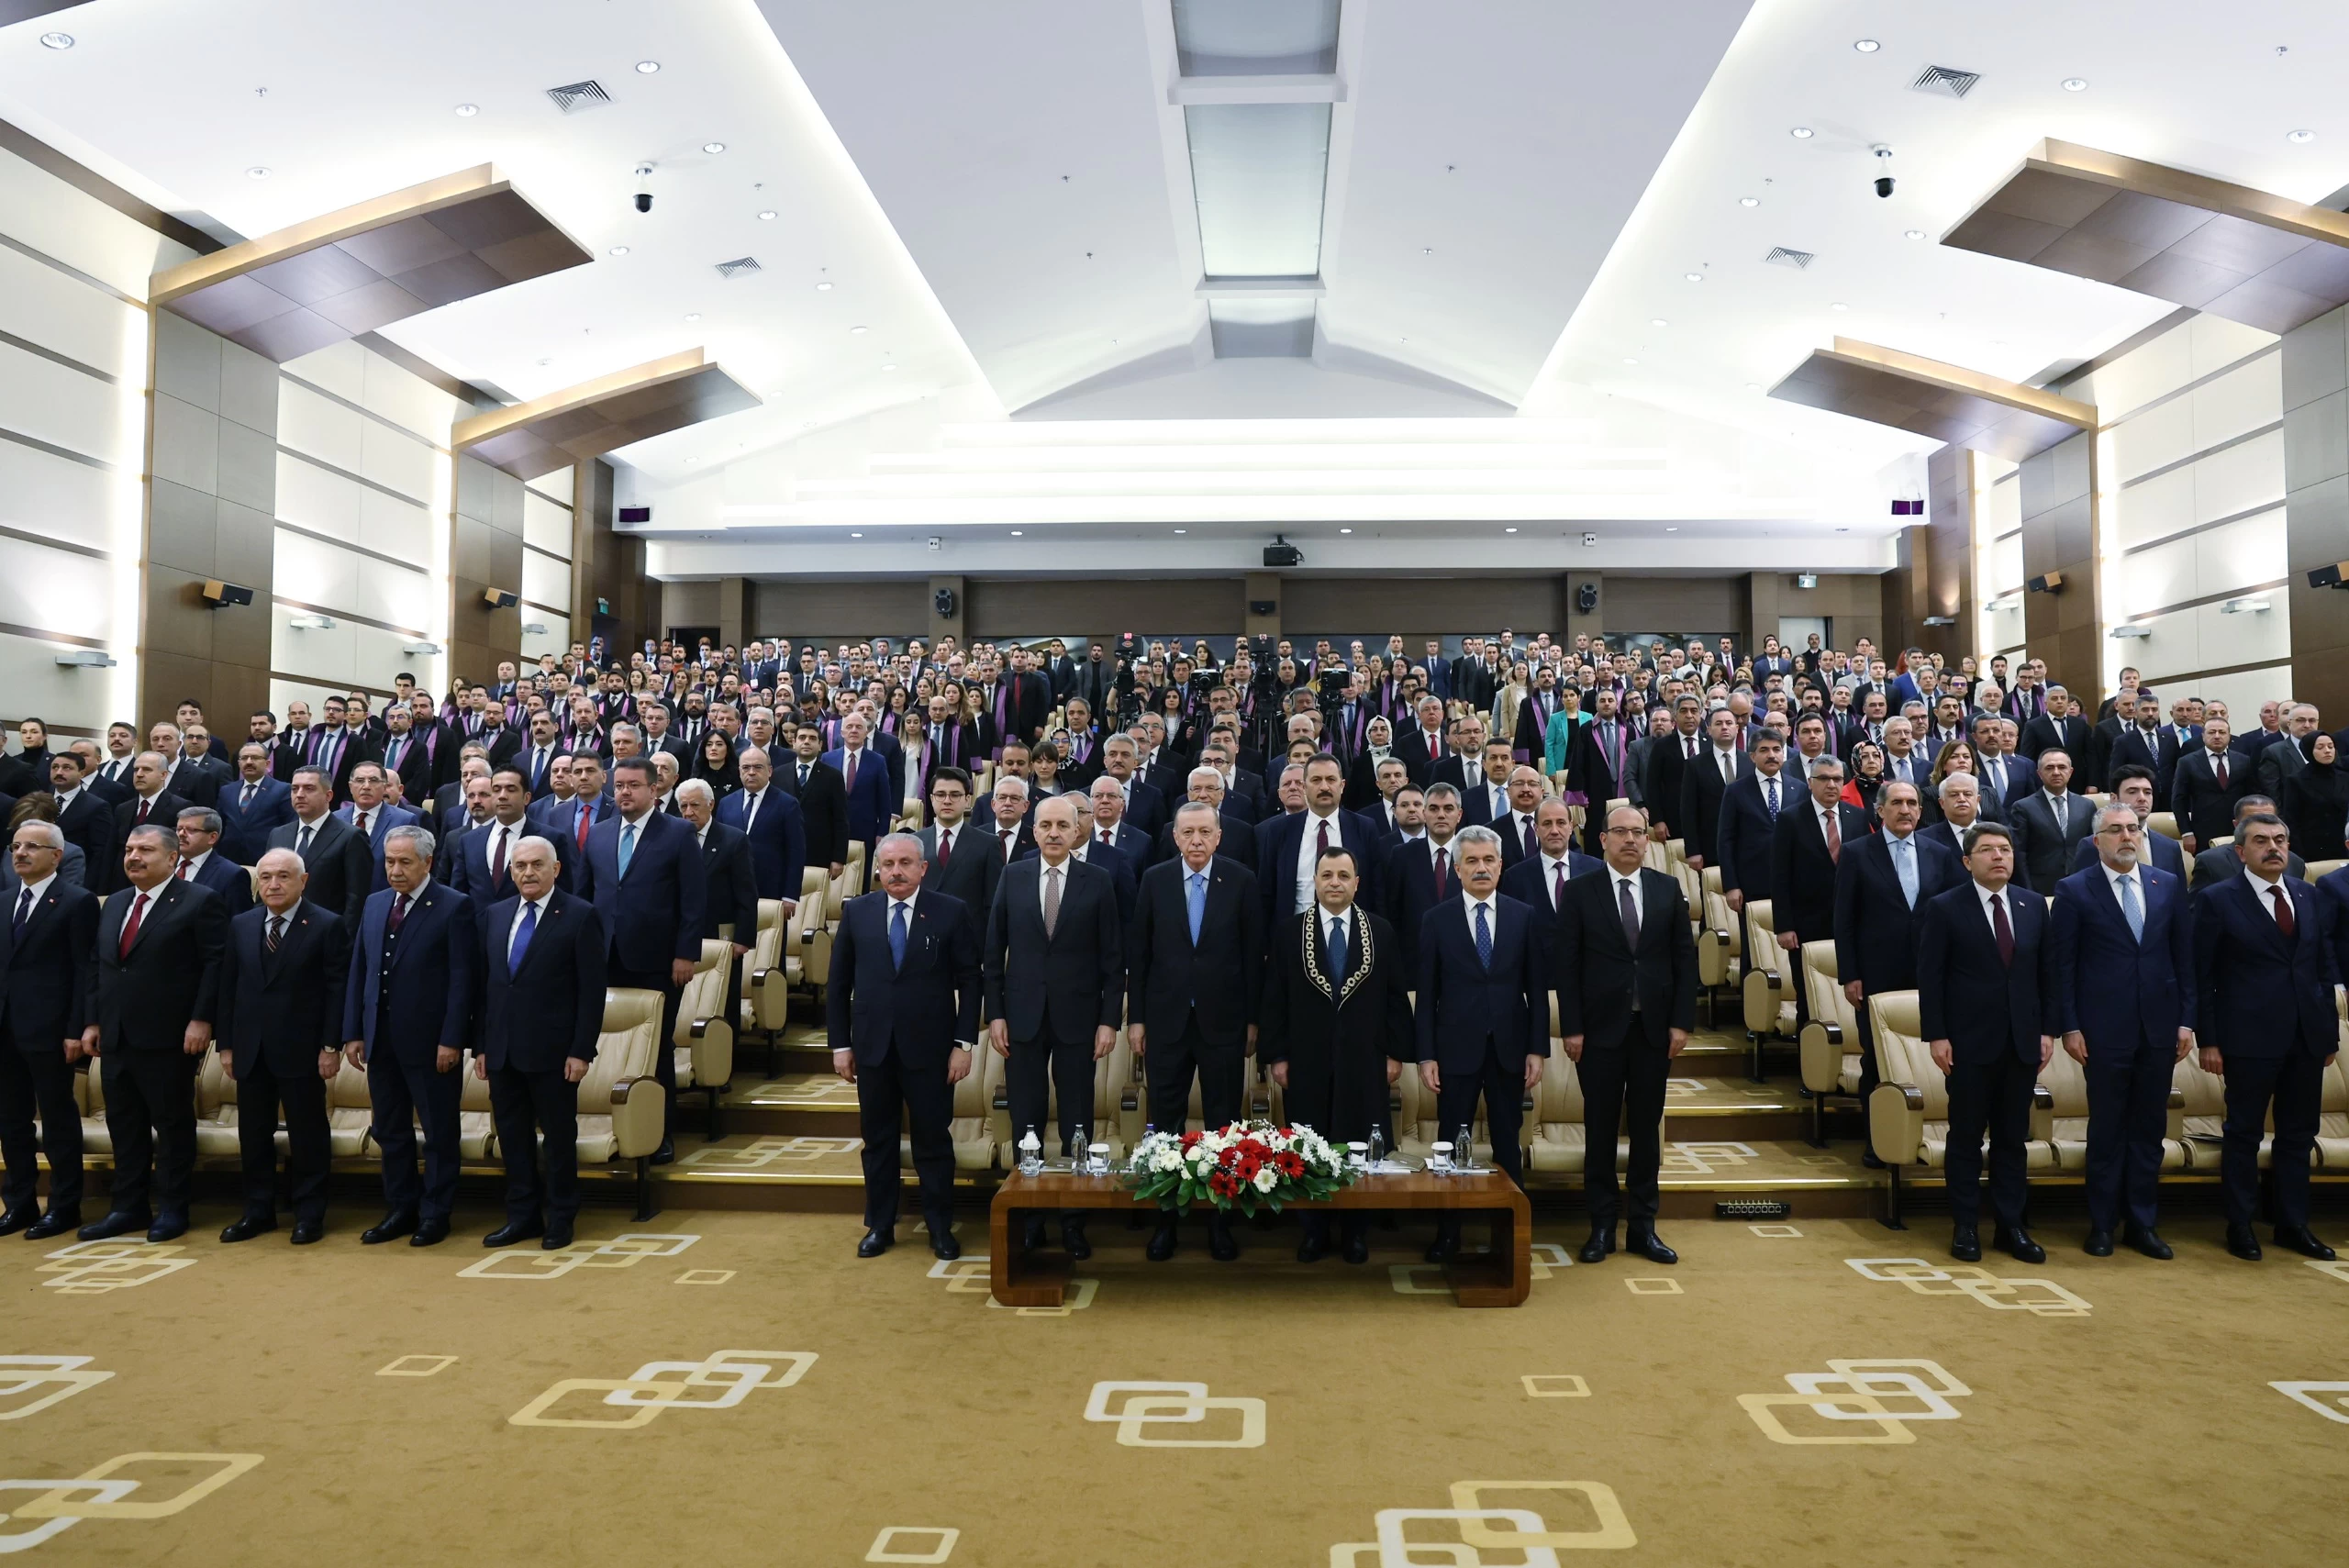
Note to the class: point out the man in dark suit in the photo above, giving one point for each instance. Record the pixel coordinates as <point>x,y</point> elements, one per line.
<point>2206,786</point>
<point>198,832</point>
<point>1055,967</point>
<point>150,802</point>
<point>1598,762</point>
<point>542,963</point>
<point>1145,807</point>
<point>373,815</point>
<point>767,813</point>
<point>1483,1010</point>
<point>1881,882</point>
<point>477,859</point>
<point>252,807</point>
<point>48,987</point>
<point>902,1012</point>
<point>2048,823</point>
<point>1194,954</point>
<point>1538,881</point>
<point>86,819</point>
<point>1336,1026</point>
<point>159,949</point>
<point>2265,970</point>
<point>589,805</point>
<point>282,998</point>
<point>1805,848</point>
<point>403,755</point>
<point>1704,781</point>
<point>1668,761</point>
<point>957,858</point>
<point>872,799</point>
<point>1747,816</point>
<point>407,1016</point>
<point>2147,743</point>
<point>1627,1000</point>
<point>332,850</point>
<point>822,798</point>
<point>1986,985</point>
<point>1418,873</point>
<point>2060,726</point>
<point>643,870</point>
<point>2216,865</point>
<point>1238,844</point>
<point>2133,787</point>
<point>1290,846</point>
<point>1110,830</point>
<point>2121,936</point>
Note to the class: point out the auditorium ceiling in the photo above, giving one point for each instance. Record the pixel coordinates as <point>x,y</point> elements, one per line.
<point>971,221</point>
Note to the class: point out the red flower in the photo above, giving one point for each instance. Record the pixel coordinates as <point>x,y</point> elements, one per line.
<point>1222,1184</point>
<point>1189,1139</point>
<point>1289,1165</point>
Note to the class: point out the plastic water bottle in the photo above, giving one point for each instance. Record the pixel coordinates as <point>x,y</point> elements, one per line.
<point>1377,1146</point>
<point>1077,1141</point>
<point>1463,1149</point>
<point>1031,1154</point>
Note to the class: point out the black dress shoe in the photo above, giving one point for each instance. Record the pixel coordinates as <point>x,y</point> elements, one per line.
<point>1601,1242</point>
<point>16,1218</point>
<point>2017,1244</point>
<point>944,1246</point>
<point>557,1238</point>
<point>391,1228</point>
<point>1965,1244</point>
<point>2150,1243</point>
<point>308,1230</point>
<point>1357,1247</point>
<point>118,1223</point>
<point>1073,1240</point>
<point>1647,1244</point>
<point>876,1242</point>
<point>429,1233</point>
<point>2242,1243</point>
<point>56,1222</point>
<point>2299,1241</point>
<point>2098,1244</point>
<point>513,1231</point>
<point>1163,1240</point>
<point>1222,1245</point>
<point>1446,1245</point>
<point>667,1154</point>
<point>1314,1245</point>
<point>1032,1232</point>
<point>248,1227</point>
<point>171,1228</point>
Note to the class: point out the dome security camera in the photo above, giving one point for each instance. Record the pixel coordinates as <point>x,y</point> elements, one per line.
<point>1883,181</point>
<point>643,195</point>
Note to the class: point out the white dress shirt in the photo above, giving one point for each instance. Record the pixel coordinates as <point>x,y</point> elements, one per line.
<point>1489,905</point>
<point>1983,895</point>
<point>1549,871</point>
<point>38,889</point>
<point>2118,877</point>
<point>1639,894</point>
<point>1044,879</point>
<point>1308,850</point>
<point>519,910</point>
<point>2260,891</point>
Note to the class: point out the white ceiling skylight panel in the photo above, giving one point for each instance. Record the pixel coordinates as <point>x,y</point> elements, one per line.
<point>1259,171</point>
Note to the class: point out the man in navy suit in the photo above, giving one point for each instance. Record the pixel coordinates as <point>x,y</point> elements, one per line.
<point>2146,743</point>
<point>872,800</point>
<point>1881,882</point>
<point>1748,822</point>
<point>1419,873</point>
<point>2264,969</point>
<point>1111,831</point>
<point>543,967</point>
<point>48,983</point>
<point>2122,934</point>
<point>407,1016</point>
<point>573,819</point>
<point>1288,846</point>
<point>477,859</point>
<point>2133,787</point>
<point>197,830</point>
<point>252,807</point>
<point>1195,951</point>
<point>279,1033</point>
<point>1705,780</point>
<point>1483,1011</point>
<point>902,1013</point>
<point>1145,807</point>
<point>1539,881</point>
<point>644,869</point>
<point>769,817</point>
<point>1626,982</point>
<point>332,848</point>
<point>1985,998</point>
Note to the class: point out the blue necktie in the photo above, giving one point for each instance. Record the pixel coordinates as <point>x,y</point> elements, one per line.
<point>897,936</point>
<point>1198,901</point>
<point>2130,909</point>
<point>1484,939</point>
<point>1902,848</point>
<point>1340,950</point>
<point>628,845</point>
<point>521,942</point>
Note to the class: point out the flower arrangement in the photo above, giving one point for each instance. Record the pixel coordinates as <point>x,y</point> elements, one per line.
<point>1245,1166</point>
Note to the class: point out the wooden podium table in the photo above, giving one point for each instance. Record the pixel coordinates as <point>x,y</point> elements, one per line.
<point>1502,1277</point>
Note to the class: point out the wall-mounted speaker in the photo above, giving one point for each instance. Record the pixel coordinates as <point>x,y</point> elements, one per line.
<point>2051,583</point>
<point>1586,597</point>
<point>500,598</point>
<point>943,603</point>
<point>636,514</point>
<point>2334,576</point>
<point>1263,606</point>
<point>222,594</point>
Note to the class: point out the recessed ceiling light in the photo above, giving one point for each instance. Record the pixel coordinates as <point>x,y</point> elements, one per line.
<point>1800,133</point>
<point>2076,84</point>
<point>854,535</point>
<point>57,40</point>
<point>1753,386</point>
<point>1182,530</point>
<point>1866,46</point>
<point>616,251</point>
<point>1658,321</point>
<point>1839,305</point>
<point>888,367</point>
<point>1694,277</point>
<point>647,67</point>
<point>2300,138</point>
<point>768,216</point>
<point>1345,530</point>
<point>712,146</point>
<point>258,172</point>
<point>467,111</point>
<point>691,461</point>
<point>823,288</point>
<point>693,315</point>
<point>1017,533</point>
<point>854,331</point>
<point>1508,530</point>
<point>1672,530</point>
<point>1749,200</point>
<point>1916,234</point>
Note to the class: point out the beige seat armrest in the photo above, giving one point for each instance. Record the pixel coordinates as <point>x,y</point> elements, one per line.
<point>1822,1056</point>
<point>999,1121</point>
<point>1897,1123</point>
<point>1764,989</point>
<point>2042,1114</point>
<point>637,1107</point>
<point>2177,1128</point>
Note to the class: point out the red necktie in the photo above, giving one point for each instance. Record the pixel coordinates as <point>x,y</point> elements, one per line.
<point>1558,897</point>
<point>143,804</point>
<point>186,867</point>
<point>850,782</point>
<point>1324,848</point>
<point>2004,932</point>
<point>1106,844</point>
<point>586,812</point>
<point>2285,921</point>
<point>1442,870</point>
<point>2219,766</point>
<point>130,927</point>
<point>497,858</point>
<point>399,913</point>
<point>1834,836</point>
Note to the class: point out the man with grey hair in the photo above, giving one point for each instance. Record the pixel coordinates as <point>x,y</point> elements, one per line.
<point>197,830</point>
<point>47,974</point>
<point>2281,759</point>
<point>282,1000</point>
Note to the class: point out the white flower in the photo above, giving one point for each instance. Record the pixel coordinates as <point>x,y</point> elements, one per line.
<point>1266,1178</point>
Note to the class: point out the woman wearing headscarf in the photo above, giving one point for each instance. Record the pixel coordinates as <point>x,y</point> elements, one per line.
<point>1867,778</point>
<point>2314,801</point>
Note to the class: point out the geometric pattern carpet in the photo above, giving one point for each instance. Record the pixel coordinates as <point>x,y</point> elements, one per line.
<point>727,1387</point>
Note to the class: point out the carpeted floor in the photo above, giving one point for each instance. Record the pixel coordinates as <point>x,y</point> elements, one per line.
<point>798,1405</point>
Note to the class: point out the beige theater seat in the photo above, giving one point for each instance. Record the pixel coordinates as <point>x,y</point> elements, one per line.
<point>972,1129</point>
<point>2332,1119</point>
<point>1908,1113</point>
<point>1115,1118</point>
<point>621,1108</point>
<point>1830,1040</point>
<point>768,970</point>
<point>476,1121</point>
<point>1721,940</point>
<point>351,1114</point>
<point>1768,982</point>
<point>2162,822</point>
<point>2317,871</point>
<point>2202,1099</point>
<point>704,1039</point>
<point>89,1091</point>
<point>2066,1083</point>
<point>1416,1128</point>
<point>816,920</point>
<point>1557,1124</point>
<point>853,869</point>
<point>216,1109</point>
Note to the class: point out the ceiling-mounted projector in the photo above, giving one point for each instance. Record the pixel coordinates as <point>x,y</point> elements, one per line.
<point>1280,552</point>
